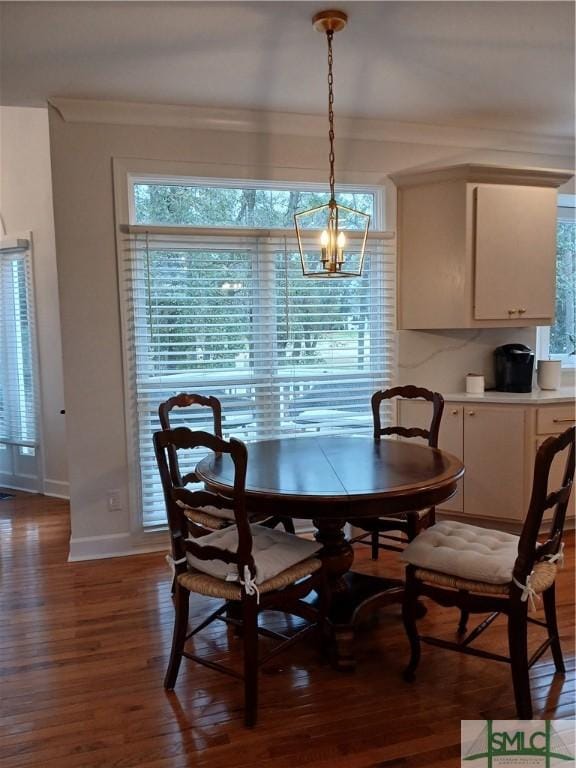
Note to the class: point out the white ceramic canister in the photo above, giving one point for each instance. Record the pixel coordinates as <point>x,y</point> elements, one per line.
<point>474,384</point>
<point>549,373</point>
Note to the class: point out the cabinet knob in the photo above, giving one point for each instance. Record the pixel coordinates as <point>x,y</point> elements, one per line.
<point>512,311</point>
<point>471,413</point>
<point>521,311</point>
<point>455,412</point>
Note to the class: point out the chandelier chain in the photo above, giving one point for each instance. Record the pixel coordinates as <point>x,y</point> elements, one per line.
<point>331,157</point>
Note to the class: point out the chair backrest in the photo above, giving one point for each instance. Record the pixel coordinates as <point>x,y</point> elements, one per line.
<point>184,400</point>
<point>412,393</point>
<point>177,498</point>
<point>529,550</point>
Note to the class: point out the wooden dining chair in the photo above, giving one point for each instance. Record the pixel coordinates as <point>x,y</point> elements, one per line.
<point>485,571</point>
<point>256,568</point>
<point>206,519</point>
<point>377,530</point>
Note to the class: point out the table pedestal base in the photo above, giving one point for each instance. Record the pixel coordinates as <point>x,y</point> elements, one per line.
<point>353,595</point>
<point>362,596</point>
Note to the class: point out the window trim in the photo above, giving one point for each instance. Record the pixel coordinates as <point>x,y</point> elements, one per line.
<point>128,170</point>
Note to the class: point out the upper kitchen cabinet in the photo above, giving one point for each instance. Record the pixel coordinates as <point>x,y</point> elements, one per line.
<point>477,246</point>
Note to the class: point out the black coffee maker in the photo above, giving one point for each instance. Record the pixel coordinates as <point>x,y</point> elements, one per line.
<point>513,367</point>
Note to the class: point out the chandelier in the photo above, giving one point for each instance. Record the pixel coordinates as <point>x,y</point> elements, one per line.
<point>339,249</point>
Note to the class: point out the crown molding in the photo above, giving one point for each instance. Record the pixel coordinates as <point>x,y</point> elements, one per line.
<point>483,174</point>
<point>289,123</point>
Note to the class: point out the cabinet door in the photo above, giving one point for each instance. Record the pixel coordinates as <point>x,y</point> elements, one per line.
<point>494,459</point>
<point>515,253</point>
<point>416,413</point>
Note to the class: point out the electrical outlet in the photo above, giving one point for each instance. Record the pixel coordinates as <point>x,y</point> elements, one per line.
<point>114,501</point>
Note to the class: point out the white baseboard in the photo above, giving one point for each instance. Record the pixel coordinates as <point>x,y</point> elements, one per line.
<point>54,488</point>
<point>115,545</point>
<point>59,489</point>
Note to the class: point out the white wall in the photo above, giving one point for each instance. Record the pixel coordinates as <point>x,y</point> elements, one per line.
<point>26,205</point>
<point>82,154</point>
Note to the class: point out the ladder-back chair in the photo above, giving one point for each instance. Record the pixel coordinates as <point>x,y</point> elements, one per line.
<point>484,571</point>
<point>254,567</point>
<point>377,530</point>
<point>204,519</point>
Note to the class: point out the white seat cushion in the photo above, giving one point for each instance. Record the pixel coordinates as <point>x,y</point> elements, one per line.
<point>466,551</point>
<point>273,552</point>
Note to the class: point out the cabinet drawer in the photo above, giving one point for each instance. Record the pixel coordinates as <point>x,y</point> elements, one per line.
<point>554,419</point>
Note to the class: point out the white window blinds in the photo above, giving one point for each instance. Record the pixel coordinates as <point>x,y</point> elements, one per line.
<point>18,385</point>
<point>231,315</point>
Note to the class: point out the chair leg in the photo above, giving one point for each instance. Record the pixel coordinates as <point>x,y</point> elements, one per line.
<point>463,624</point>
<point>250,637</point>
<point>288,524</point>
<point>324,601</point>
<point>412,526</point>
<point>416,525</point>
<point>409,611</point>
<point>374,538</point>
<point>234,612</point>
<point>549,599</point>
<point>182,598</point>
<point>518,644</point>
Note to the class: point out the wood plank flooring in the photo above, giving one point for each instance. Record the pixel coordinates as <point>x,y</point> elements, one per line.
<point>83,648</point>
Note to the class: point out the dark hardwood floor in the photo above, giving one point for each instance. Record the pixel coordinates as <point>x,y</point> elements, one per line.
<point>83,649</point>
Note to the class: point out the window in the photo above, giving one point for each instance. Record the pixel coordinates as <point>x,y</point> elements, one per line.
<point>180,203</point>
<point>18,398</point>
<point>559,341</point>
<point>230,314</point>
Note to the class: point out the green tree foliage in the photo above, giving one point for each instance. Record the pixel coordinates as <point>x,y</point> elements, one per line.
<point>179,205</point>
<point>563,332</point>
<point>202,302</point>
<point>195,321</point>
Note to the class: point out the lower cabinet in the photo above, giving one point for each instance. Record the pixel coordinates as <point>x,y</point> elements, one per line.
<point>450,439</point>
<point>497,443</point>
<point>494,458</point>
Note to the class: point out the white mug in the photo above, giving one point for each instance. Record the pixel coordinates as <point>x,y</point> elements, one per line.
<point>474,384</point>
<point>548,375</point>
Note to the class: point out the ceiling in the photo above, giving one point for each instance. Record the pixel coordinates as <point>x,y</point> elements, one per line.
<point>499,65</point>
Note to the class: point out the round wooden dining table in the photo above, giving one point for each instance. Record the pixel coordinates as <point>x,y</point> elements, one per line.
<point>330,480</point>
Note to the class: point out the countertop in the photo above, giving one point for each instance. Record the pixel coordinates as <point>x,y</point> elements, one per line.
<point>536,397</point>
